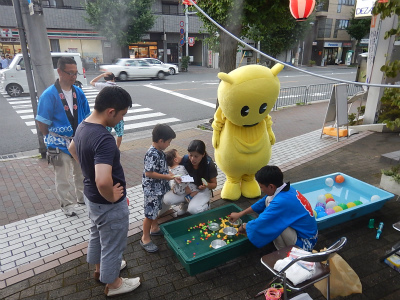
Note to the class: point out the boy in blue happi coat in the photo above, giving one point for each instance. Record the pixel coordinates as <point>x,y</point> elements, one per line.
<point>285,215</point>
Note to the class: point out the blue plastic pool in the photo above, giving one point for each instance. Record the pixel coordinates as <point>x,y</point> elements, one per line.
<point>349,191</point>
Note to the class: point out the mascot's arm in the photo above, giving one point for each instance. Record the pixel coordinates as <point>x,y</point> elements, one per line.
<point>271,134</point>
<point>217,125</point>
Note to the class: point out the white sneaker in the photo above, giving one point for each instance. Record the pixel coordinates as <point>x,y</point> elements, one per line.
<point>182,209</point>
<point>128,285</point>
<point>69,211</point>
<point>123,265</point>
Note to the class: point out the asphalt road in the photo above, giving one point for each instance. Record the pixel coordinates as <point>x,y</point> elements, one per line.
<point>185,97</point>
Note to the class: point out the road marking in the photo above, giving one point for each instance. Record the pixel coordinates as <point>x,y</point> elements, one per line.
<point>150,123</point>
<point>19,102</point>
<point>24,111</point>
<point>144,116</point>
<point>131,111</point>
<point>202,102</point>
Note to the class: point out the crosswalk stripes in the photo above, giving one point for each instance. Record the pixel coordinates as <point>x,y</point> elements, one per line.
<point>23,107</point>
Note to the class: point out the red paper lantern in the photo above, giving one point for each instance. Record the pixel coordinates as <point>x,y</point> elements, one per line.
<point>187,2</point>
<point>301,9</point>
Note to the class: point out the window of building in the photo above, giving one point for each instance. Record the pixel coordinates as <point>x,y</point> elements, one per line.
<point>322,5</point>
<point>348,2</point>
<point>339,6</point>
<point>340,25</point>
<point>324,28</point>
<point>53,3</point>
<point>6,2</point>
<point>169,8</point>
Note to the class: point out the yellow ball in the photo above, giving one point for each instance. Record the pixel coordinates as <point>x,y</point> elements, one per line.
<point>337,208</point>
<point>328,196</point>
<point>315,213</point>
<point>351,204</point>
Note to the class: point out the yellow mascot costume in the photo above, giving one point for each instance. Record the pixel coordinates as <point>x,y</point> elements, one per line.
<point>242,135</point>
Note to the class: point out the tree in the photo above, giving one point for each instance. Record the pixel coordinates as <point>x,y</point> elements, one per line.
<point>359,28</point>
<point>389,112</point>
<point>120,21</point>
<point>268,21</point>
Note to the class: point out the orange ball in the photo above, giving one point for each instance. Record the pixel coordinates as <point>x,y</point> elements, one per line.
<point>339,179</point>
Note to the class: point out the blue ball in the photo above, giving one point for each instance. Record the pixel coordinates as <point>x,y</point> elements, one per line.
<point>321,214</point>
<point>319,209</point>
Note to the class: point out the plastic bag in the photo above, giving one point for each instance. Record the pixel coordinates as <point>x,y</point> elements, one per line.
<point>343,280</point>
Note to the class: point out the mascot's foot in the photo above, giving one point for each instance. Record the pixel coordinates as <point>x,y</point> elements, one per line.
<point>231,191</point>
<point>251,189</point>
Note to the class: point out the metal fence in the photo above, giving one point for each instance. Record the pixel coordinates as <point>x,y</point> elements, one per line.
<point>306,94</point>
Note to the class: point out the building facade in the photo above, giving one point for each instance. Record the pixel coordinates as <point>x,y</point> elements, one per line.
<point>330,42</point>
<point>68,31</point>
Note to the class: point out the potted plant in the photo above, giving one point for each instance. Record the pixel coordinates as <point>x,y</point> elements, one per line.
<point>390,180</point>
<point>185,63</point>
<point>311,62</point>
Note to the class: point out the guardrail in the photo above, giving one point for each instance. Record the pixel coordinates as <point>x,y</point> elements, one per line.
<point>310,93</point>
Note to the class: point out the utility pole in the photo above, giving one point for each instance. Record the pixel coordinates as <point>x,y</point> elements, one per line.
<point>30,20</point>
<point>186,29</point>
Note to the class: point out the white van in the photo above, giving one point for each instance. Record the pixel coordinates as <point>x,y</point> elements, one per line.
<point>13,78</point>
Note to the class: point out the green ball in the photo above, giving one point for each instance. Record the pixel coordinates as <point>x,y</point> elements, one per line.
<point>342,205</point>
<point>358,202</point>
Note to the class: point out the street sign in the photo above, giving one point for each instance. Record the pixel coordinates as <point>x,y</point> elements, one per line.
<point>181,23</point>
<point>182,31</point>
<point>191,41</point>
<point>182,42</point>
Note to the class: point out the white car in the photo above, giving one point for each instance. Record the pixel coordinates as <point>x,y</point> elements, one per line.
<point>129,68</point>
<point>173,69</point>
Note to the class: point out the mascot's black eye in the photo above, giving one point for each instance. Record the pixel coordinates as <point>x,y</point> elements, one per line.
<point>245,111</point>
<point>263,108</point>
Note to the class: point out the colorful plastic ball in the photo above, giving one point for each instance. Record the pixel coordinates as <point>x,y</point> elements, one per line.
<point>330,211</point>
<point>315,213</point>
<point>343,206</point>
<point>320,204</point>
<point>358,202</point>
<point>351,204</point>
<point>321,198</point>
<point>337,208</point>
<point>329,199</point>
<point>322,214</point>
<point>339,179</point>
<point>329,182</point>
<point>331,204</point>
<point>375,198</point>
<point>318,209</point>
<point>328,196</point>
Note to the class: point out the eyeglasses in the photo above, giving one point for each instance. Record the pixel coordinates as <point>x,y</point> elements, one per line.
<point>70,73</point>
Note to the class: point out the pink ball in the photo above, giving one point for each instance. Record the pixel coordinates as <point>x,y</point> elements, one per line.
<point>330,211</point>
<point>329,199</point>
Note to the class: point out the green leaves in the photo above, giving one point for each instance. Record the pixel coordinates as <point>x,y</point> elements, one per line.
<point>122,21</point>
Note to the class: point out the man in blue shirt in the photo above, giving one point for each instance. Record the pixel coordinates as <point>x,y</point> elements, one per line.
<point>61,108</point>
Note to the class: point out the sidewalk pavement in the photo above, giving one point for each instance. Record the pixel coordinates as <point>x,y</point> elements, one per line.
<point>43,252</point>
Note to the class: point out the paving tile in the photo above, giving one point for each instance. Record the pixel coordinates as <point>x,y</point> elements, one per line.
<point>30,266</point>
<point>55,256</point>
<point>70,257</point>
<point>19,277</point>
<point>46,267</point>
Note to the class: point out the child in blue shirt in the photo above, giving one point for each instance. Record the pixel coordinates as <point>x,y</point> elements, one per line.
<point>155,183</point>
<point>285,216</point>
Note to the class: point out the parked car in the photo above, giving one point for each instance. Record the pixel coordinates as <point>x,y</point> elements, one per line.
<point>129,68</point>
<point>173,69</point>
<point>13,78</point>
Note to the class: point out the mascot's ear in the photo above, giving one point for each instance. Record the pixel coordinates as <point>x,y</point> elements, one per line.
<point>225,77</point>
<point>276,69</point>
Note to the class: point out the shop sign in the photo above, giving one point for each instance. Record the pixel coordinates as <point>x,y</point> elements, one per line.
<point>364,8</point>
<point>334,45</point>
<point>364,41</point>
<point>191,41</point>
<point>347,44</point>
<point>314,43</point>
